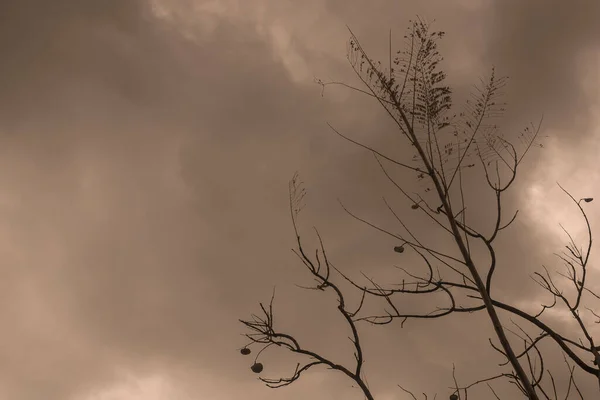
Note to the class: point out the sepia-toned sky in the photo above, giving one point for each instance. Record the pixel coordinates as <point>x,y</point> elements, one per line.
<point>145,153</point>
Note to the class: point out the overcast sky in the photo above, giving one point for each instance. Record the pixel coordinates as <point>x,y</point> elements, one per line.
<point>146,148</point>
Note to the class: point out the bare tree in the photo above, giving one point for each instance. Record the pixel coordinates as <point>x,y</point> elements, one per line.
<point>413,93</point>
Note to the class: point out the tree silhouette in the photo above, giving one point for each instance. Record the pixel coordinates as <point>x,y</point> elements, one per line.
<point>413,93</point>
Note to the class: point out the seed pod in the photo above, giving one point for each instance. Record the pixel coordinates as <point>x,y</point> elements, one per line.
<point>453,397</point>
<point>245,351</point>
<point>414,206</point>
<point>257,368</point>
<point>399,249</point>
<point>588,199</point>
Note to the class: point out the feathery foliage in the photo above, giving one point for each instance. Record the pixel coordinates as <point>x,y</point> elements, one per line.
<point>414,95</point>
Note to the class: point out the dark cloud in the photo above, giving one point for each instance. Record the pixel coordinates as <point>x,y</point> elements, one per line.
<point>144,170</point>
<point>545,46</point>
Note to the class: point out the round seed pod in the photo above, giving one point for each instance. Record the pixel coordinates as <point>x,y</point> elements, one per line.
<point>257,368</point>
<point>399,249</point>
<point>245,351</point>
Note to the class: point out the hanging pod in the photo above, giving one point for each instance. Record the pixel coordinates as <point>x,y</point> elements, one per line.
<point>245,351</point>
<point>257,368</point>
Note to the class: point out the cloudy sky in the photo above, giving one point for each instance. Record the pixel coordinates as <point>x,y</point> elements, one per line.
<point>146,148</point>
